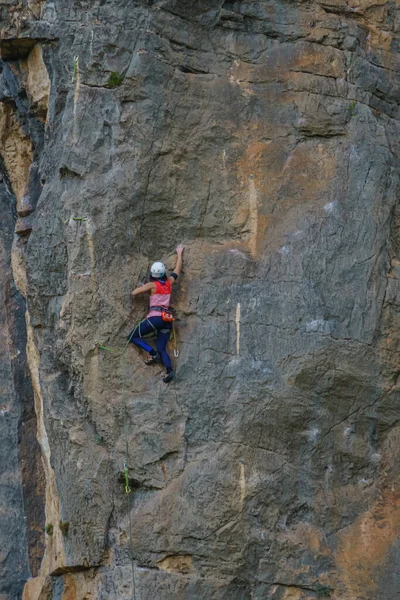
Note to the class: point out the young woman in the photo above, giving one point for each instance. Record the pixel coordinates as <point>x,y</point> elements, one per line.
<point>160,292</point>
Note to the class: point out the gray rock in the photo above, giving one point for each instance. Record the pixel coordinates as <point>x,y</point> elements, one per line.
<point>264,136</point>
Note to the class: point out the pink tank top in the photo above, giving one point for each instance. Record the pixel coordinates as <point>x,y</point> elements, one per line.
<point>160,298</point>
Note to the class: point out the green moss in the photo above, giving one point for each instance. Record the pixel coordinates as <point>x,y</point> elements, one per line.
<point>49,529</point>
<point>323,591</point>
<point>115,80</point>
<point>352,107</point>
<point>64,526</point>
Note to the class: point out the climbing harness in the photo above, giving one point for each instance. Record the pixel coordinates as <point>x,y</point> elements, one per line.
<point>151,325</point>
<point>167,313</point>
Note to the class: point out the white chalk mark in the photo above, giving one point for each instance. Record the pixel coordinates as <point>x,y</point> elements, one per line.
<point>238,328</point>
<point>285,250</point>
<point>313,434</point>
<point>224,159</point>
<point>76,98</point>
<point>330,207</point>
<point>89,237</point>
<point>253,217</point>
<point>242,485</point>
<point>237,252</point>
<point>91,46</point>
<point>376,457</point>
<point>316,325</point>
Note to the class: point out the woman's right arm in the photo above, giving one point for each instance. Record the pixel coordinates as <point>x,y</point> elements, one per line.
<point>178,265</point>
<point>147,287</point>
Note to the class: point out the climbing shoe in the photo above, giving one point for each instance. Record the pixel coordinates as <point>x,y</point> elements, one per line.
<point>169,377</point>
<point>153,358</point>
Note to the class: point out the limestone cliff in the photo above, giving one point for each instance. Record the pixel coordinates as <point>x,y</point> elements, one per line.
<point>265,135</point>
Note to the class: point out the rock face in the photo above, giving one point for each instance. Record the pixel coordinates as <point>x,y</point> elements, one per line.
<point>265,135</point>
<point>22,483</point>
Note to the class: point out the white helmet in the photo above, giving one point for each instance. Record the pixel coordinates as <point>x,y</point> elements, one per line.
<point>157,270</point>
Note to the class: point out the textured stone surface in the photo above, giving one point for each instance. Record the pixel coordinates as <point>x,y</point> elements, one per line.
<point>264,135</point>
<point>21,485</point>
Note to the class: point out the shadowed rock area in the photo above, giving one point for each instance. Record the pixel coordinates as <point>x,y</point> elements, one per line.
<point>265,136</point>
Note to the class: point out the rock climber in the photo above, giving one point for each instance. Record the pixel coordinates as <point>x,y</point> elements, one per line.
<point>159,287</point>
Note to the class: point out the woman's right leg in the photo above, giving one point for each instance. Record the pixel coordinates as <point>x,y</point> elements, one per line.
<point>162,341</point>
<point>144,328</point>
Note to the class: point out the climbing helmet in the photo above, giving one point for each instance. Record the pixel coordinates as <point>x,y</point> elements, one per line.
<point>157,270</point>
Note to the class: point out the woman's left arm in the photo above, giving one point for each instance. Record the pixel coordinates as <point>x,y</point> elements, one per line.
<point>147,287</point>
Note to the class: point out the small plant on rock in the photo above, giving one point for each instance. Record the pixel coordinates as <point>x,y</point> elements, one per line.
<point>352,107</point>
<point>323,591</point>
<point>115,79</point>
<point>49,529</point>
<point>100,440</point>
<point>64,526</point>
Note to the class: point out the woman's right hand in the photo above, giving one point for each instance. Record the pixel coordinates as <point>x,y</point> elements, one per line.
<point>179,249</point>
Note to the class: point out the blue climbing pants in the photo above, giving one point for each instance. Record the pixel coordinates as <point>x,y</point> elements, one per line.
<point>163,330</point>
